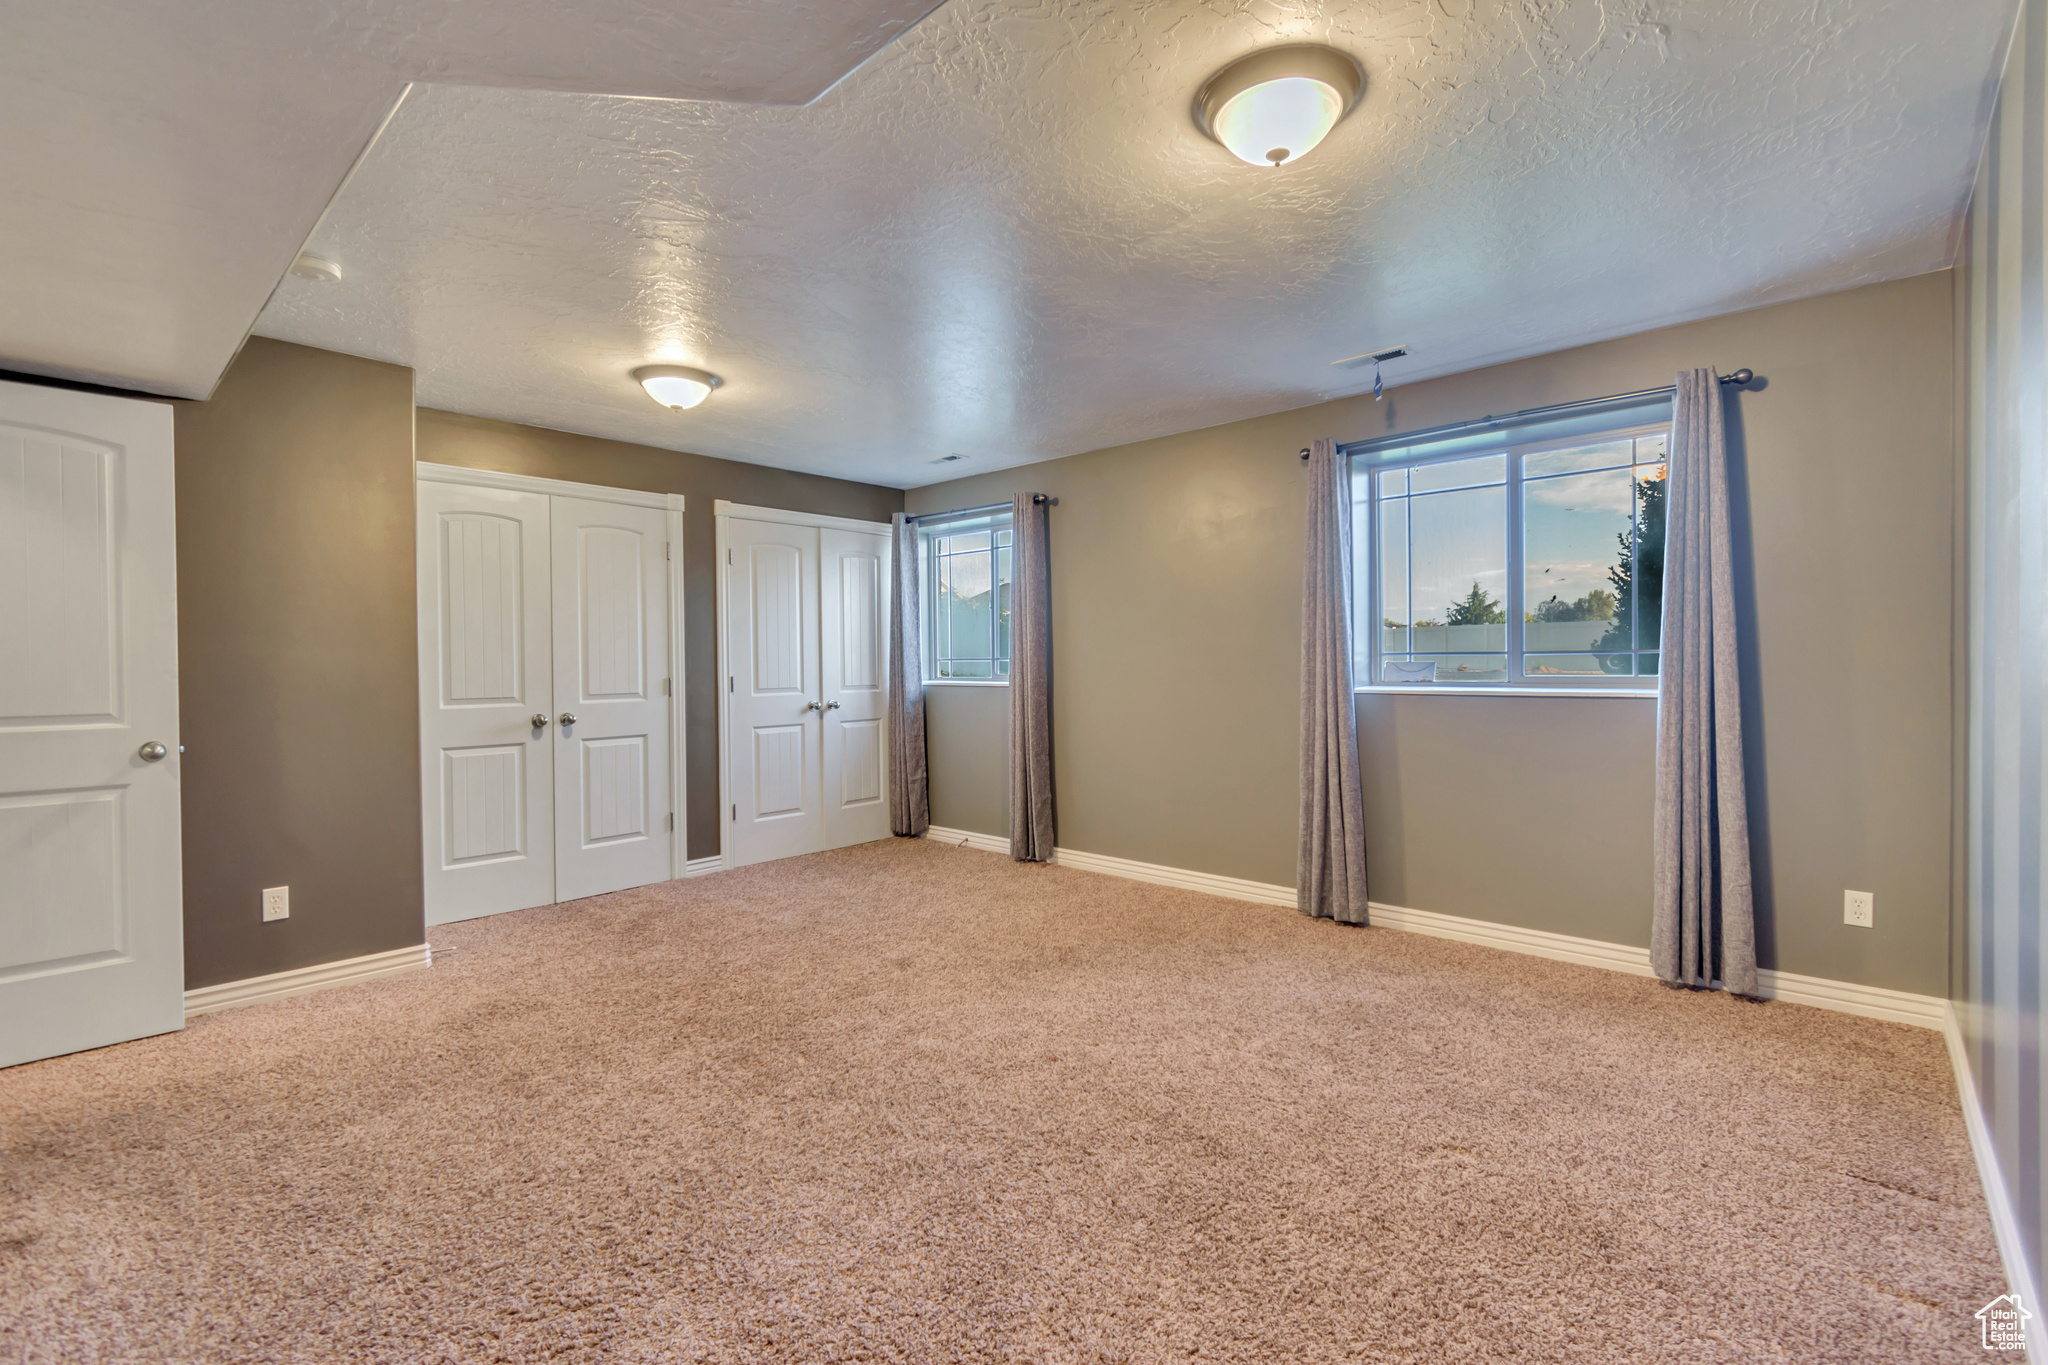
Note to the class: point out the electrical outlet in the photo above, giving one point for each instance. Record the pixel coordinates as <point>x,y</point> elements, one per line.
<point>1858,908</point>
<point>277,903</point>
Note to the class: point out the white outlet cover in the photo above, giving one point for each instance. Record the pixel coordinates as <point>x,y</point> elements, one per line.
<point>1859,908</point>
<point>277,903</point>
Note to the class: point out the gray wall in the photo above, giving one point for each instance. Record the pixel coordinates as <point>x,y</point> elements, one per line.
<point>2000,957</point>
<point>480,443</point>
<point>297,663</point>
<point>966,740</point>
<point>1176,608</point>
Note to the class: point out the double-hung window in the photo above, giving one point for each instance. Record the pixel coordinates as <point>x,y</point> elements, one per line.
<point>1526,555</point>
<point>966,593</point>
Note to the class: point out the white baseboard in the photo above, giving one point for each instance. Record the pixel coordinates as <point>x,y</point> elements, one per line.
<point>1235,888</point>
<point>1875,1002</point>
<point>1846,997</point>
<point>967,838</point>
<point>1587,952</point>
<point>257,990</point>
<point>2005,1223</point>
<point>699,867</point>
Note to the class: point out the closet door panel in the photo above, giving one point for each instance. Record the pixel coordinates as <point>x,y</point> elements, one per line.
<point>853,585</point>
<point>612,788</point>
<point>487,771</point>
<point>772,666</point>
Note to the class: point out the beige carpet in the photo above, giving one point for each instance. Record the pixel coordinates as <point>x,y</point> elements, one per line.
<point>909,1102</point>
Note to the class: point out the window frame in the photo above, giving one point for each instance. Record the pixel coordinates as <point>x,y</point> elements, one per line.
<point>992,521</point>
<point>1518,682</point>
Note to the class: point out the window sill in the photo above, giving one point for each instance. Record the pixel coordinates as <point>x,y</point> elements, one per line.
<point>1459,690</point>
<point>965,682</point>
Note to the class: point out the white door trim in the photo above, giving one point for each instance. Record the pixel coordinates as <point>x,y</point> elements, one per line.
<point>678,732</point>
<point>673,503</point>
<point>533,483</point>
<point>721,550</point>
<point>721,511</point>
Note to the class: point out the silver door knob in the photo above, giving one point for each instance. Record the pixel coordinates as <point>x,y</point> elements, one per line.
<point>813,706</point>
<point>152,751</point>
<point>568,718</point>
<point>540,721</point>
<point>831,706</point>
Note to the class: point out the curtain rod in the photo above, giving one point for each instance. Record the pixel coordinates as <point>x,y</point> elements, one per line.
<point>1738,379</point>
<point>986,507</point>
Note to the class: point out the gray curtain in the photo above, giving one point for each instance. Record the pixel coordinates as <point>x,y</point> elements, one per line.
<point>1329,869</point>
<point>1703,917</point>
<point>909,798</point>
<point>1031,836</point>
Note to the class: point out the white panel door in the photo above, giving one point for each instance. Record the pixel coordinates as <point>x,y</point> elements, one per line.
<point>853,573</point>
<point>772,690</point>
<point>486,677</point>
<point>612,808</point>
<point>91,896</point>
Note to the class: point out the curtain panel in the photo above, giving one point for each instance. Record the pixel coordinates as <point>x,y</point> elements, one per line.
<point>909,791</point>
<point>1031,818</point>
<point>1329,869</point>
<point>1703,926</point>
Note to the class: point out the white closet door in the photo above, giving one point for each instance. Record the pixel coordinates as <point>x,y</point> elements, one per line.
<point>772,666</point>
<point>612,805</point>
<point>853,588</point>
<point>486,675</point>
<point>91,901</point>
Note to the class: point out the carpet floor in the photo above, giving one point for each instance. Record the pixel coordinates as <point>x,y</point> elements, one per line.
<point>905,1102</point>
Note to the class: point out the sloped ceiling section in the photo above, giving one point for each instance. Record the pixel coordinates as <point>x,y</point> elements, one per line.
<point>1004,236</point>
<point>164,162</point>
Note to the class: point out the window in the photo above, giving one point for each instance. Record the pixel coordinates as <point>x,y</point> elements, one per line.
<point>967,599</point>
<point>1533,563</point>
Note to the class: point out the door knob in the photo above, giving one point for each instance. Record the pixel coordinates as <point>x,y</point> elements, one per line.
<point>152,751</point>
<point>813,706</point>
<point>831,706</point>
<point>568,718</point>
<point>540,721</point>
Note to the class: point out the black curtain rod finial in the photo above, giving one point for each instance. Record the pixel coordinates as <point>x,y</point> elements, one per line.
<point>1044,501</point>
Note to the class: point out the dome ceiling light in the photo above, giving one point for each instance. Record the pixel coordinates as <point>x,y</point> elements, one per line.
<point>677,386</point>
<point>1272,107</point>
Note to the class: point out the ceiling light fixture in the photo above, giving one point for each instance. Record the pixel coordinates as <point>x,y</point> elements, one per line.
<point>1272,107</point>
<point>677,386</point>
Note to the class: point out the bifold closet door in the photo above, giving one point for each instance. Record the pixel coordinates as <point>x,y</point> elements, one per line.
<point>544,698</point>
<point>853,572</point>
<point>486,700</point>
<point>612,807</point>
<point>772,690</point>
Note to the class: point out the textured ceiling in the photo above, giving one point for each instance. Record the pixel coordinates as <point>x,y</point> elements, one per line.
<point>1003,236</point>
<point>162,162</point>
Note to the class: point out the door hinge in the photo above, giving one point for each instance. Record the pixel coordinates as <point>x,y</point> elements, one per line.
<point>728,682</point>
<point>668,549</point>
<point>728,556</point>
<point>735,812</point>
<point>668,687</point>
<point>671,822</point>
